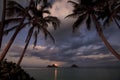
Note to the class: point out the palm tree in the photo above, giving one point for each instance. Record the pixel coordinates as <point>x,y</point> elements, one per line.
<point>89,11</point>
<point>38,26</point>
<point>12,8</point>
<point>2,22</point>
<point>39,23</point>
<point>32,16</point>
<point>27,43</point>
<point>112,13</point>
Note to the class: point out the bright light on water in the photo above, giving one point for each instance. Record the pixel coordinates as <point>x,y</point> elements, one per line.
<point>55,74</point>
<point>75,73</point>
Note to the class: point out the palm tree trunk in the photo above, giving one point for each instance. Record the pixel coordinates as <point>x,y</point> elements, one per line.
<point>101,35</point>
<point>3,54</point>
<point>3,22</point>
<point>25,48</point>
<point>117,23</point>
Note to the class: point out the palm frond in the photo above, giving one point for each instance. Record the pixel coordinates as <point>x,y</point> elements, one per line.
<point>54,25</point>
<point>36,38</point>
<point>115,5</point>
<point>88,22</point>
<point>73,15</point>
<point>107,21</point>
<point>118,9</point>
<point>47,4</point>
<point>100,3</point>
<point>12,3</point>
<point>44,24</point>
<point>87,2</point>
<point>28,35</point>
<point>12,20</point>
<point>6,32</point>
<point>78,22</point>
<point>117,23</point>
<point>46,32</point>
<point>14,8</point>
<point>37,2</point>
<point>45,1</point>
<point>54,20</point>
<point>24,25</point>
<point>104,14</point>
<point>117,17</point>
<point>13,11</point>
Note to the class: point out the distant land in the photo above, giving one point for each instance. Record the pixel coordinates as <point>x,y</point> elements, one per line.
<point>71,66</point>
<point>52,66</point>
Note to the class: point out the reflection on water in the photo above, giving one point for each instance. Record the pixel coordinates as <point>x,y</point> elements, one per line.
<point>55,73</point>
<point>75,73</point>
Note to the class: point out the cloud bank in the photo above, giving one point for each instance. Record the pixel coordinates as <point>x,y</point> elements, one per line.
<point>84,48</point>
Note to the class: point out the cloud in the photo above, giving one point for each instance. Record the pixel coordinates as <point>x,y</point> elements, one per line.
<point>66,55</point>
<point>96,57</point>
<point>61,9</point>
<point>33,61</point>
<point>84,48</point>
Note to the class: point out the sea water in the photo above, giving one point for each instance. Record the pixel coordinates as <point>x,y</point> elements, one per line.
<point>74,73</point>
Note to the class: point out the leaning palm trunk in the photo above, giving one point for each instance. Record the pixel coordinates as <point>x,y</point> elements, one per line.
<point>101,35</point>
<point>3,22</point>
<point>25,48</point>
<point>3,54</point>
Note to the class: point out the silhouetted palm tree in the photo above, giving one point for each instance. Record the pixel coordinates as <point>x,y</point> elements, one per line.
<point>39,22</point>
<point>11,5</point>
<point>89,11</point>
<point>2,22</point>
<point>35,19</point>
<point>112,12</point>
<point>38,26</point>
<point>12,8</point>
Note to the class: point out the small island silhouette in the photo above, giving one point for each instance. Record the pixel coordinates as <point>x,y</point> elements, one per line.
<point>74,66</point>
<point>52,66</point>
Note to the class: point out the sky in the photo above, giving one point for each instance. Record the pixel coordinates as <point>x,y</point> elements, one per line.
<point>83,48</point>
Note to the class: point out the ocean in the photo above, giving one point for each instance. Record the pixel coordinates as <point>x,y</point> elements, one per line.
<point>74,73</point>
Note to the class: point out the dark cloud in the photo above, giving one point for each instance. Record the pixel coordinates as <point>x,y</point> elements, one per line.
<point>83,47</point>
<point>83,44</point>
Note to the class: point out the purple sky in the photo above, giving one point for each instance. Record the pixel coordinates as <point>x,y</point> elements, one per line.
<point>83,48</point>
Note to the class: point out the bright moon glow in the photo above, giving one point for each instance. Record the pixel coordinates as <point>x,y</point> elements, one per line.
<point>56,64</point>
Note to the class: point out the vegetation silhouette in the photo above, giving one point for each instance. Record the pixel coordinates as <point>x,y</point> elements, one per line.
<point>74,66</point>
<point>95,11</point>
<point>11,71</point>
<point>89,11</point>
<point>52,66</point>
<point>36,21</point>
<point>21,17</point>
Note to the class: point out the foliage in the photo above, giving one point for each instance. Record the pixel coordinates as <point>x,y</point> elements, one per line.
<point>11,71</point>
<point>96,12</point>
<point>35,18</point>
<point>31,16</point>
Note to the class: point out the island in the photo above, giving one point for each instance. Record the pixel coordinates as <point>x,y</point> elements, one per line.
<point>74,66</point>
<point>52,66</point>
